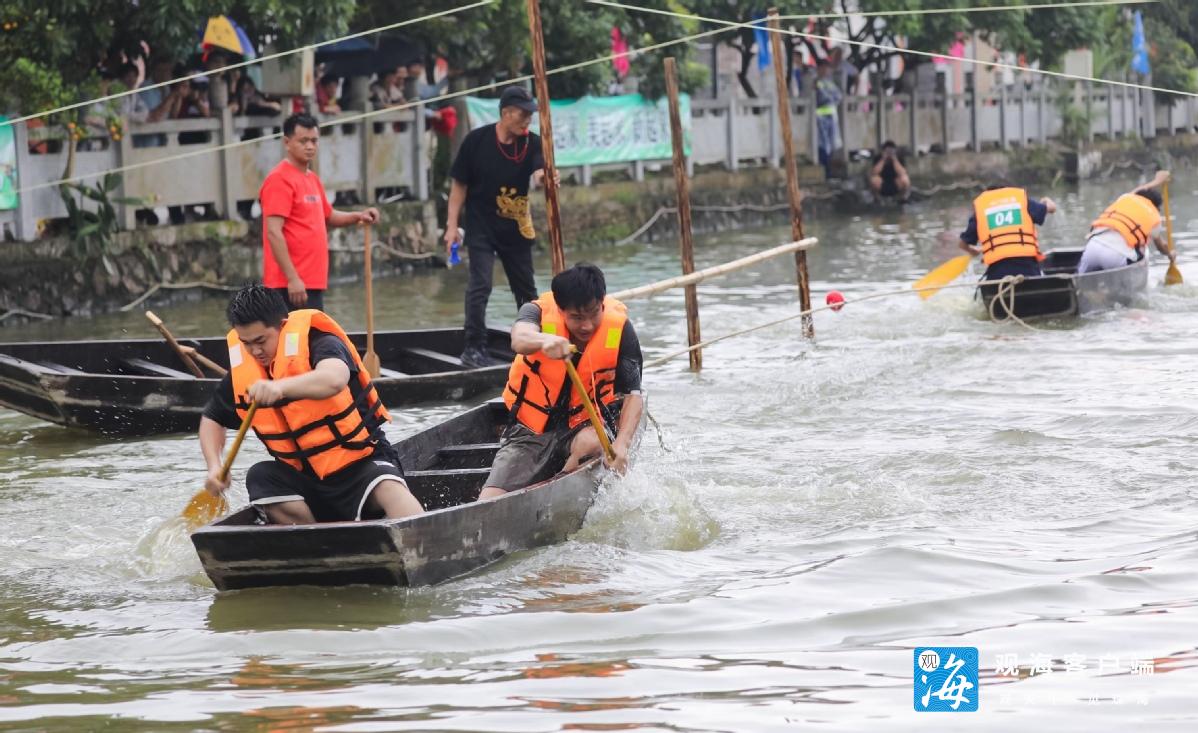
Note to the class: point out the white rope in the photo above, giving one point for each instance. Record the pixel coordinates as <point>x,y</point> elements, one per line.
<point>345,119</point>
<point>836,306</point>
<point>240,64</point>
<point>1005,298</point>
<point>729,24</point>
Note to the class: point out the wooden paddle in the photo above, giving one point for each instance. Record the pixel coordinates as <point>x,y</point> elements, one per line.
<point>187,360</point>
<point>941,276</point>
<point>204,361</point>
<point>590,408</point>
<point>1172,275</point>
<point>204,507</point>
<point>371,359</point>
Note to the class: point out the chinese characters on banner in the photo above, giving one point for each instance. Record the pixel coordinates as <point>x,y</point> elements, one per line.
<point>597,130</point>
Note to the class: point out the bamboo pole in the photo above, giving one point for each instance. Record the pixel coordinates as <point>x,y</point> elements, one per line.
<point>685,240</point>
<point>552,211</point>
<point>792,173</point>
<point>699,276</point>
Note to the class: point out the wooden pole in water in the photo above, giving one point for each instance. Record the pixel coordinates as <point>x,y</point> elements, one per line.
<point>686,242</point>
<point>792,172</point>
<point>552,212</point>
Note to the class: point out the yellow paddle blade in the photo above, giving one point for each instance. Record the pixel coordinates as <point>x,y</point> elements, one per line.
<point>941,276</point>
<point>203,508</point>
<point>1173,275</point>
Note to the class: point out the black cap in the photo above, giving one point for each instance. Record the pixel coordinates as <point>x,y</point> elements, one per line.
<point>517,97</point>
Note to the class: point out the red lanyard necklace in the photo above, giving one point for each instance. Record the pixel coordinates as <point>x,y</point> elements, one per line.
<point>517,155</point>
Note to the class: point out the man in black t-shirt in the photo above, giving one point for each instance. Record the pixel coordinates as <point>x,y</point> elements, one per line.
<point>318,415</point>
<point>888,174</point>
<point>491,176</point>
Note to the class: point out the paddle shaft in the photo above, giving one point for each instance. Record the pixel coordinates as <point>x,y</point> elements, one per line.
<point>166,334</point>
<point>553,215</point>
<point>232,454</point>
<point>369,296</point>
<point>205,361</point>
<point>590,408</point>
<point>1168,216</point>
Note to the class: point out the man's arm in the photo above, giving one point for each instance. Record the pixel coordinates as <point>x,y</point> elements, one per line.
<point>1161,178</point>
<point>1163,247</point>
<point>630,418</point>
<point>166,108</point>
<point>328,378</point>
<point>457,198</point>
<point>297,292</point>
<point>349,218</point>
<point>212,442</point>
<point>528,339</point>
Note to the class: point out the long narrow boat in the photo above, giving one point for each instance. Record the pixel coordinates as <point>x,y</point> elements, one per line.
<point>139,386</point>
<point>1062,292</point>
<point>445,466</point>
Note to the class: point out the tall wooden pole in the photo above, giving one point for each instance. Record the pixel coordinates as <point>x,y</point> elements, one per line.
<point>792,172</point>
<point>686,242</point>
<point>553,213</point>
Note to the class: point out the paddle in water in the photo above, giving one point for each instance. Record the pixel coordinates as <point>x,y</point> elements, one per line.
<point>930,284</point>
<point>1172,275</point>
<point>204,506</point>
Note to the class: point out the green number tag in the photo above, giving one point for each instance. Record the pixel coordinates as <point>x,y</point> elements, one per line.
<point>1010,215</point>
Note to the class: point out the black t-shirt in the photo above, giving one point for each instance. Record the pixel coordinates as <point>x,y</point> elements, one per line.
<point>888,172</point>
<point>321,346</point>
<point>496,178</point>
<point>629,363</point>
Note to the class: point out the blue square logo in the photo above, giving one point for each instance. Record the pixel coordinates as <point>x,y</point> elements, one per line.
<point>946,679</point>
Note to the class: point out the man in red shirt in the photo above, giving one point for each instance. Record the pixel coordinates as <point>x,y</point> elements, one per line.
<point>295,213</point>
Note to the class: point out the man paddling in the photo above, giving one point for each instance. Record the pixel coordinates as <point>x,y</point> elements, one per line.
<point>1003,231</point>
<point>549,430</point>
<point>1120,235</point>
<point>319,417</point>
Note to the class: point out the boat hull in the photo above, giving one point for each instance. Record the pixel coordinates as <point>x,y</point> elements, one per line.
<point>1061,292</point>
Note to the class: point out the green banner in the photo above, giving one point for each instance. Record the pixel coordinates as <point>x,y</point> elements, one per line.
<point>8,168</point>
<point>595,130</point>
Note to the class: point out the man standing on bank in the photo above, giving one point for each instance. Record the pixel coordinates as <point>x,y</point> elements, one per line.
<point>549,430</point>
<point>295,213</point>
<point>318,416</point>
<point>490,177</point>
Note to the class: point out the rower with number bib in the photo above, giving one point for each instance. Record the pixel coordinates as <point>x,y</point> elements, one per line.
<point>318,416</point>
<point>1003,231</point>
<point>548,430</point>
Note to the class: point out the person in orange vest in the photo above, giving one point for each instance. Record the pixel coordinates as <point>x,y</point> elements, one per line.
<point>1120,234</point>
<point>318,415</point>
<point>1003,231</point>
<point>549,430</point>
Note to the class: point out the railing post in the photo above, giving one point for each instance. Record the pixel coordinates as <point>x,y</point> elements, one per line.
<point>813,124</point>
<point>733,162</point>
<point>879,115</point>
<point>945,137</point>
<point>1002,116</point>
<point>974,114</point>
<point>1041,116</point>
<point>1022,113</point>
<point>1110,113</point>
<point>773,113</point>
<point>127,215</point>
<point>913,120</point>
<point>1089,111</point>
<point>366,134</point>
<point>25,223</point>
<point>638,170</point>
<point>419,160</point>
<point>227,204</point>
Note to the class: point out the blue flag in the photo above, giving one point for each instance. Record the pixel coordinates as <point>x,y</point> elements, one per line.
<point>763,42</point>
<point>1139,47</point>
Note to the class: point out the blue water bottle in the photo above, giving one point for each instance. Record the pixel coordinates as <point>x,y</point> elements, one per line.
<point>454,257</point>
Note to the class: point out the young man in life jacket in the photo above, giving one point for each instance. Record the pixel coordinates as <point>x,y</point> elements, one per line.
<point>550,431</point>
<point>318,416</point>
<point>1119,236</point>
<point>1003,231</point>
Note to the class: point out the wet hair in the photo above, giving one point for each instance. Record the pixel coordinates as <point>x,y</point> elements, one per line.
<point>256,304</point>
<point>888,144</point>
<point>579,286</point>
<point>299,120</point>
<point>1152,195</point>
<point>126,69</point>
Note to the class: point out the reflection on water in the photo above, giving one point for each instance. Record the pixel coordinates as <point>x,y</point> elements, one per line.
<point>809,513</point>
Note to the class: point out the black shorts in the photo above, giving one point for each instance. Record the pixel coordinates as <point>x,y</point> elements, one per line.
<point>889,187</point>
<point>339,497</point>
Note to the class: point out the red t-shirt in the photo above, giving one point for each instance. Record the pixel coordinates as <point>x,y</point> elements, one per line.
<point>299,198</point>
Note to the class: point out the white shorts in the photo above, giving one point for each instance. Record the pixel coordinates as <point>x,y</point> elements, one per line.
<point>1105,250</point>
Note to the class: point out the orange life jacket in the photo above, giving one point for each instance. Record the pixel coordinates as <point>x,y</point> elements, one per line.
<point>321,436</point>
<point>1131,215</point>
<point>535,382</point>
<point>1005,227</point>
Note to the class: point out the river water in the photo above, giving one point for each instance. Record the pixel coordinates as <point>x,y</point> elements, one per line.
<point>807,515</point>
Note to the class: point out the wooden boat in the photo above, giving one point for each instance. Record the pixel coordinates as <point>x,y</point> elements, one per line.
<point>446,466</point>
<point>140,387</point>
<point>1062,292</point>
